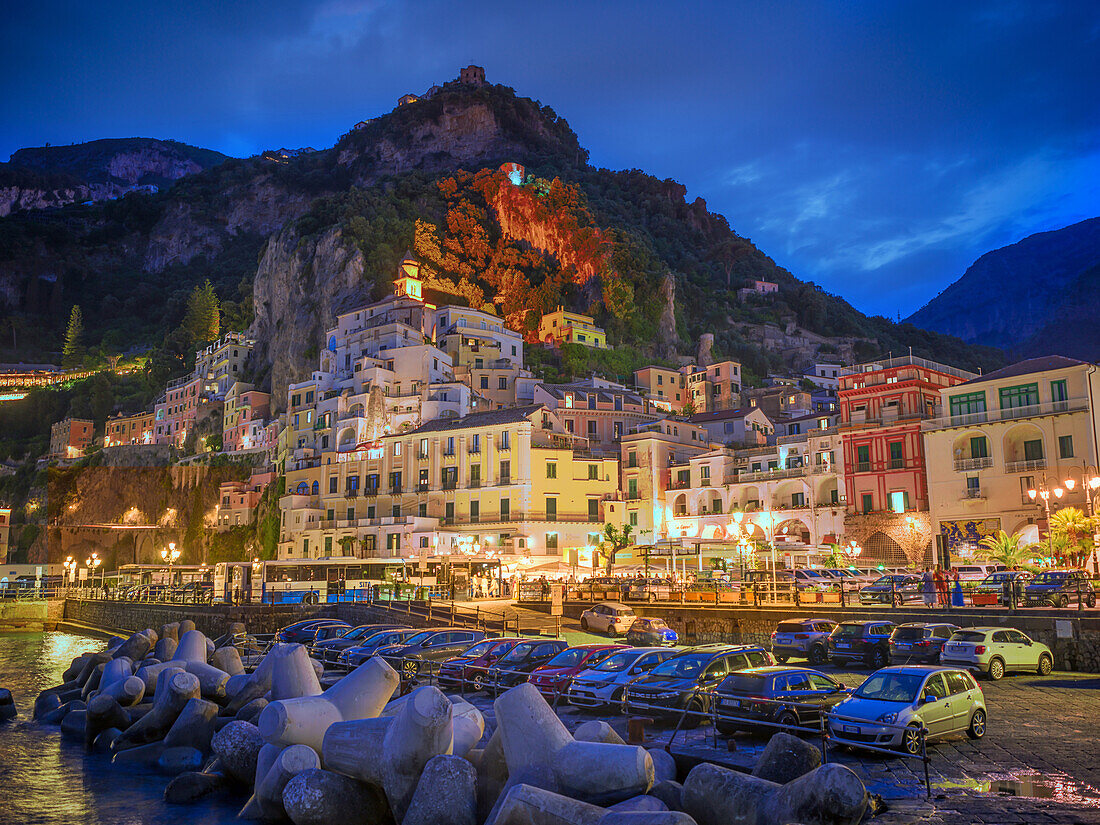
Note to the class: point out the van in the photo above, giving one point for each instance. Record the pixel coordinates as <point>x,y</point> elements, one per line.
<point>976,572</point>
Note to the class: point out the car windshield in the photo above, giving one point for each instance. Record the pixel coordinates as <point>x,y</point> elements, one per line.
<point>890,686</point>
<point>744,683</point>
<point>481,648</point>
<point>814,574</point>
<point>568,658</point>
<point>688,664</point>
<point>617,662</point>
<point>1050,577</point>
<point>790,627</point>
<point>357,633</point>
<point>649,624</point>
<point>419,637</point>
<point>848,631</point>
<point>519,652</point>
<point>908,634</point>
<point>967,636</point>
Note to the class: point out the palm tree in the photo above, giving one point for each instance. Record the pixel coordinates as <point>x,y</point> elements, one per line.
<point>1009,550</point>
<point>1076,528</point>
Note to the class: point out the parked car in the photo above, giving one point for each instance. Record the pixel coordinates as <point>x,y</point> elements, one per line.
<point>651,632</point>
<point>302,632</point>
<point>791,696</point>
<point>602,685</point>
<point>326,632</point>
<point>810,579</point>
<point>976,572</point>
<point>435,645</point>
<point>611,618</point>
<point>355,656</point>
<point>554,677</point>
<point>197,593</point>
<point>802,639</point>
<point>649,590</point>
<point>942,700</point>
<point>861,641</point>
<point>516,665</point>
<point>684,681</point>
<point>329,650</point>
<point>996,651</point>
<point>919,642</point>
<point>902,586</point>
<point>459,671</point>
<point>851,576</point>
<point>994,584</point>
<point>1059,588</point>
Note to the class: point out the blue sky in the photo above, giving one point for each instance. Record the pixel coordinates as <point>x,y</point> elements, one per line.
<point>876,148</point>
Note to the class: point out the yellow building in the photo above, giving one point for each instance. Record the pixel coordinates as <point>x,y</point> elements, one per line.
<point>662,385</point>
<point>1030,426</point>
<point>564,327</point>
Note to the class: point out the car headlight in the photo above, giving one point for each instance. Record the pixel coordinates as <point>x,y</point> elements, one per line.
<point>888,718</point>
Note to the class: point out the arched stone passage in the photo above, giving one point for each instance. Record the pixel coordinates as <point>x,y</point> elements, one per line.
<point>881,549</point>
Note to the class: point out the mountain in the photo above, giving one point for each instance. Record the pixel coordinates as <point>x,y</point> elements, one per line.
<point>52,176</point>
<point>289,238</point>
<point>1023,297</point>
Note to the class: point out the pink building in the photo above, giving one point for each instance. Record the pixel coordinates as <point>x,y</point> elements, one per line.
<point>238,500</point>
<point>245,418</point>
<point>175,413</point>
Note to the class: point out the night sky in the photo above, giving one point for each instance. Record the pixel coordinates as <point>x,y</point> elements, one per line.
<point>875,148</point>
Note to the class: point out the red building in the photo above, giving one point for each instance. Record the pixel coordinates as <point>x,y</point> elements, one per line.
<point>881,406</point>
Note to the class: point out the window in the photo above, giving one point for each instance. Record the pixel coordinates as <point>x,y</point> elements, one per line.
<point>704,472</point>
<point>449,511</point>
<point>370,512</point>
<point>450,446</point>
<point>1025,395</point>
<point>475,443</point>
<point>369,544</point>
<point>594,472</point>
<point>551,509</point>
<point>868,502</point>
<point>1033,450</point>
<point>798,499</point>
<point>504,443</point>
<point>633,518</point>
<point>422,510</point>
<point>328,545</point>
<point>979,447</point>
<point>591,429</point>
<point>423,451</point>
<point>450,478</point>
<point>351,514</point>
<point>593,509</point>
<point>897,458</point>
<point>475,511</point>
<point>968,404</point>
<point>863,458</point>
<point>632,459</point>
<point>505,508</point>
<point>551,541</point>
<point>617,430</point>
<point>1065,446</point>
<point>333,484</point>
<point>1058,391</point>
<point>475,475</point>
<point>973,486</point>
<point>899,501</point>
<point>551,469</point>
<point>485,382</point>
<point>505,472</point>
<point>632,488</point>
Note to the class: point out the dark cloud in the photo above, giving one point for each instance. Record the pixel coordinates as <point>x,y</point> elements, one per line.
<point>875,148</point>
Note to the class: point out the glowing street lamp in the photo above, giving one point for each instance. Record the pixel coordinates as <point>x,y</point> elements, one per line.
<point>171,555</point>
<point>70,570</point>
<point>92,563</point>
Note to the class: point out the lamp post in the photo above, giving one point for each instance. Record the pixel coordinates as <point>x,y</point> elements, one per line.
<point>1090,483</point>
<point>93,562</point>
<point>170,554</point>
<point>1044,491</point>
<point>70,570</point>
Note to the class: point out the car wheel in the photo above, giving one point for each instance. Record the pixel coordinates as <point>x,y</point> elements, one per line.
<point>977,725</point>
<point>478,681</point>
<point>788,719</point>
<point>910,740</point>
<point>611,631</point>
<point>1061,601</point>
<point>409,668</point>
<point>818,655</point>
<point>996,670</point>
<point>782,659</point>
<point>1090,599</point>
<point>584,624</point>
<point>692,719</point>
<point>1045,665</point>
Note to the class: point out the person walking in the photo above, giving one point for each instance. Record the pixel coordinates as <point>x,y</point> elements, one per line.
<point>956,589</point>
<point>928,588</point>
<point>941,586</point>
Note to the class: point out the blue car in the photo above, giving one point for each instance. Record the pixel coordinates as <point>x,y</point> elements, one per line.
<point>648,632</point>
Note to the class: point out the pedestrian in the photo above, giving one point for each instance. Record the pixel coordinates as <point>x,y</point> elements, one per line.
<point>956,589</point>
<point>941,586</point>
<point>928,588</point>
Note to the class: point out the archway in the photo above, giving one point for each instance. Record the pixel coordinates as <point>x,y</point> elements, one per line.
<point>879,548</point>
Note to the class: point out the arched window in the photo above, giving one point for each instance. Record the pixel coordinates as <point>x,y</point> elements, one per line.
<point>302,489</point>
<point>316,488</point>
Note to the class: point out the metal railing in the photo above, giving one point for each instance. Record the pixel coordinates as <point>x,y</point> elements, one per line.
<point>1006,414</point>
<point>1025,466</point>
<point>978,463</point>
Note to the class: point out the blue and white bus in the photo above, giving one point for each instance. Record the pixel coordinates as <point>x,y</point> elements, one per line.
<point>309,581</point>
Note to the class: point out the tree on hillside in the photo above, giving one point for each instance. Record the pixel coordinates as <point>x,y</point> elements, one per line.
<point>102,397</point>
<point>72,354</point>
<point>615,539</point>
<point>202,321</point>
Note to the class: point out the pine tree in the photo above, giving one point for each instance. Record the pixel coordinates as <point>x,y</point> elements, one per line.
<point>202,321</point>
<point>72,354</point>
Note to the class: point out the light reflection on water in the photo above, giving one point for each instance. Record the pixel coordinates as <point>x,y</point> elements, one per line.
<point>47,781</point>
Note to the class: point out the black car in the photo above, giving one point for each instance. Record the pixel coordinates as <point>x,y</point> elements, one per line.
<point>515,666</point>
<point>802,639</point>
<point>684,681</point>
<point>866,641</point>
<point>304,631</point>
<point>1058,588</point>
<point>355,656</point>
<point>329,650</point>
<point>901,587</point>
<point>791,696</point>
<point>433,645</point>
<point>919,643</point>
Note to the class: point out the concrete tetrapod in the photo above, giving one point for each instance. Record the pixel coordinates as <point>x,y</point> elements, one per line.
<point>103,712</point>
<point>785,758</point>
<point>115,671</point>
<point>289,763</point>
<point>445,795</point>
<point>528,805</point>
<point>194,727</point>
<point>392,752</point>
<point>829,795</point>
<point>228,659</point>
<point>178,688</point>
<point>596,730</point>
<point>127,692</point>
<point>361,694</point>
<point>135,648</point>
<point>318,797</point>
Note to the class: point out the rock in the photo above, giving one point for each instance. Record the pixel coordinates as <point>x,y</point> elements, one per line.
<point>786,757</point>
<point>445,795</point>
<point>251,711</point>
<point>7,706</point>
<point>237,746</point>
<point>179,760</point>
<point>227,659</point>
<point>597,731</point>
<point>664,766</point>
<point>528,805</point>
<point>194,727</point>
<point>639,804</point>
<point>175,691</point>
<point>669,792</point>
<point>319,797</point>
<point>46,702</point>
<point>188,788</point>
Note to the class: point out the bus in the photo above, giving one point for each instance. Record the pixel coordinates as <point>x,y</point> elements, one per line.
<point>174,575</point>
<point>305,581</point>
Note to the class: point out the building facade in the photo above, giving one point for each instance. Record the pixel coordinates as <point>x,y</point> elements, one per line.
<point>70,437</point>
<point>565,327</point>
<point>130,429</point>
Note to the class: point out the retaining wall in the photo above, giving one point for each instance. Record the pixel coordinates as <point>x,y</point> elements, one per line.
<point>128,617</point>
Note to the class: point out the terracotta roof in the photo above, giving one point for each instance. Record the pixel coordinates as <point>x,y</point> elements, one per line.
<point>1027,367</point>
<point>491,418</point>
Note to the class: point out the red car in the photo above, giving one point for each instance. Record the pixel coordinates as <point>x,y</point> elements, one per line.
<point>469,668</point>
<point>555,676</point>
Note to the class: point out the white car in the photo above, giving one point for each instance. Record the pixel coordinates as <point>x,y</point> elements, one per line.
<point>603,684</point>
<point>976,572</point>
<point>995,651</point>
<point>611,618</point>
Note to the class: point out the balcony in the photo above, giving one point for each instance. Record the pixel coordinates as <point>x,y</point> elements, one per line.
<point>423,488</point>
<point>769,475</point>
<point>475,483</point>
<point>450,485</point>
<point>1010,414</point>
<point>1025,466</point>
<point>370,491</point>
<point>395,490</point>
<point>680,484</point>
<point>504,481</point>
<point>972,493</point>
<point>964,464</point>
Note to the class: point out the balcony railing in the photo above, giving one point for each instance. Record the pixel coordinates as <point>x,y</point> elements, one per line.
<point>963,464</point>
<point>972,493</point>
<point>1026,465</point>
<point>1006,414</point>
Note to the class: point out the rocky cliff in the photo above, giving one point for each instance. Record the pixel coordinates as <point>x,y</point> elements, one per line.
<point>1009,295</point>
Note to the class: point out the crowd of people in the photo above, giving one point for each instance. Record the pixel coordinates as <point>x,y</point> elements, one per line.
<point>942,588</point>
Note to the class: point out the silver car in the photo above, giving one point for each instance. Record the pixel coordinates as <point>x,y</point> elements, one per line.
<point>611,618</point>
<point>903,700</point>
<point>603,684</point>
<point>995,651</point>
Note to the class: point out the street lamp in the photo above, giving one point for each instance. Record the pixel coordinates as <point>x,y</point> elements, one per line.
<point>70,570</point>
<point>170,554</point>
<point>92,563</point>
<point>1090,482</point>
<point>1044,492</point>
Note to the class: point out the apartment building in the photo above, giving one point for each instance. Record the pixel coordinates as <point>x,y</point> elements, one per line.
<point>600,414</point>
<point>779,401</point>
<point>245,418</point>
<point>70,437</point>
<point>735,427</point>
<point>565,327</point>
<point>664,386</point>
<point>1030,426</point>
<point>130,429</point>
<point>220,365</point>
<point>714,387</point>
<point>175,411</point>
<point>512,479</point>
<point>238,500</point>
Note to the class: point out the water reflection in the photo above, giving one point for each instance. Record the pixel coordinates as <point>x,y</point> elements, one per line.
<point>47,781</point>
